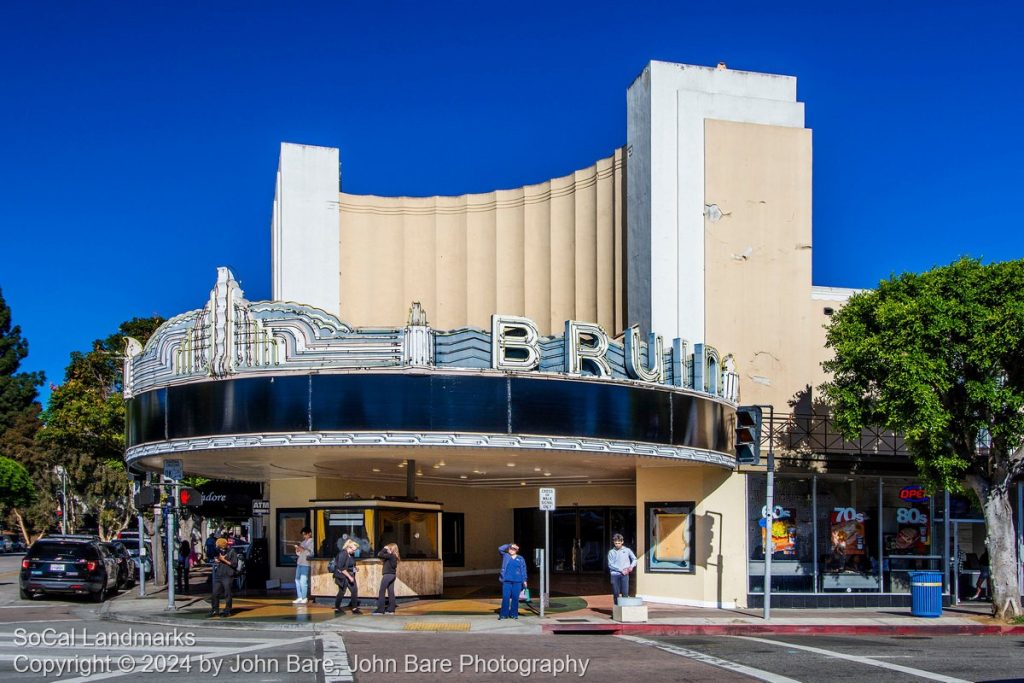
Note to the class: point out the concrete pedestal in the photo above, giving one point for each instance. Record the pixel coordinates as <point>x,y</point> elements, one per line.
<point>630,614</point>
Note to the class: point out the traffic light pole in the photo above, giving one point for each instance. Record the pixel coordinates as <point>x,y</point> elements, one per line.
<point>171,514</point>
<point>769,519</point>
<point>142,546</point>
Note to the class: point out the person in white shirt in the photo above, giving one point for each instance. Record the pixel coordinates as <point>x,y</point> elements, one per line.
<point>303,550</point>
<point>621,563</point>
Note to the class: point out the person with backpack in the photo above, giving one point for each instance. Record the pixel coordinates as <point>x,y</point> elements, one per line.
<point>345,577</point>
<point>513,579</point>
<point>225,567</point>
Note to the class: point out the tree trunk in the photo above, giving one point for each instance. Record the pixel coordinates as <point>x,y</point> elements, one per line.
<point>1002,547</point>
<point>159,563</point>
<point>21,525</point>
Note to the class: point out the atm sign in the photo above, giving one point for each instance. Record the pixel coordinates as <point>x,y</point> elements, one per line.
<point>914,494</point>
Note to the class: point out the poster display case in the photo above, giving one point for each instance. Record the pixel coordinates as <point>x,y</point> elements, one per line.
<point>669,537</point>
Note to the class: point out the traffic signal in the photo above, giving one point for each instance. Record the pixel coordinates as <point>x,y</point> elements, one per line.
<point>189,498</point>
<point>748,435</point>
<point>146,497</point>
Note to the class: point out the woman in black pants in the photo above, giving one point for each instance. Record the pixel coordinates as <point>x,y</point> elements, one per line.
<point>387,579</point>
<point>345,577</point>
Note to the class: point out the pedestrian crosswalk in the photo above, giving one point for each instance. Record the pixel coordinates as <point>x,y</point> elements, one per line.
<point>335,659</point>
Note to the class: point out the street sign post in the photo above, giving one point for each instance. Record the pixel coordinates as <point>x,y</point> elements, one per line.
<point>547,504</point>
<point>174,470</point>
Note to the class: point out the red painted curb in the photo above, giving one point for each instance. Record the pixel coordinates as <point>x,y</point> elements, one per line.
<point>785,629</point>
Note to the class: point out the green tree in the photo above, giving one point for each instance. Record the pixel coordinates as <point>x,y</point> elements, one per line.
<point>85,425</point>
<point>939,357</point>
<point>17,389</point>
<point>16,488</point>
<point>19,419</point>
<point>19,443</point>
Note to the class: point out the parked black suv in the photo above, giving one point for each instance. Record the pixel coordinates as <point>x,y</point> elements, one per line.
<point>76,565</point>
<point>127,569</point>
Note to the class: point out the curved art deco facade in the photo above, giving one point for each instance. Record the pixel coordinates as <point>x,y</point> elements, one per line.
<point>551,251</point>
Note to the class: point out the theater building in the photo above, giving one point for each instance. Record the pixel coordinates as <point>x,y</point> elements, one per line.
<point>425,364</point>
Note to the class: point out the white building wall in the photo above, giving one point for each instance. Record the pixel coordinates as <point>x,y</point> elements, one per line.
<point>305,255</point>
<point>667,106</point>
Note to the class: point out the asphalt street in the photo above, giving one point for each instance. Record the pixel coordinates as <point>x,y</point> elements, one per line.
<point>57,639</point>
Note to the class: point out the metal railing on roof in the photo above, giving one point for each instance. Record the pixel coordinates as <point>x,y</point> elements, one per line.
<point>816,434</point>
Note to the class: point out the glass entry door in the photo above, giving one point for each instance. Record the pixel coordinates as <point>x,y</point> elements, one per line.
<point>592,540</point>
<point>580,536</point>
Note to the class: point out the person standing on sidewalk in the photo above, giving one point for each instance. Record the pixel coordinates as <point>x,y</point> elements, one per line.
<point>513,578</point>
<point>388,571</point>
<point>621,563</point>
<point>303,550</point>
<point>345,577</point>
<point>184,564</point>
<point>225,566</point>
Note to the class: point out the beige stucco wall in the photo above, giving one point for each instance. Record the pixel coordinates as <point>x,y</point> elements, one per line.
<point>550,251</point>
<point>719,536</point>
<point>758,258</point>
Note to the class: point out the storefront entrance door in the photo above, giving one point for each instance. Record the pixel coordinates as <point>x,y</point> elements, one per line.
<point>968,557</point>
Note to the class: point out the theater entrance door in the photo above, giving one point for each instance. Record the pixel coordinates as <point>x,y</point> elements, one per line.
<point>580,535</point>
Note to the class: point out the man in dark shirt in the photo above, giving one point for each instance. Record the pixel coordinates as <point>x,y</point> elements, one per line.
<point>225,567</point>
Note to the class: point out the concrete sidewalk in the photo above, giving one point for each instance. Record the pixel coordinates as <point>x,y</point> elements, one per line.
<point>278,613</point>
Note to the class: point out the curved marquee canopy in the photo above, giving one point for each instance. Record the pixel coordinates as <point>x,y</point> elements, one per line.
<point>237,374</point>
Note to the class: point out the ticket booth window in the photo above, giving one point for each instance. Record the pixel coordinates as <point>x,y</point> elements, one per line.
<point>414,531</point>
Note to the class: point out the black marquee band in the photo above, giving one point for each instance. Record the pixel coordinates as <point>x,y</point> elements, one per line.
<point>431,402</point>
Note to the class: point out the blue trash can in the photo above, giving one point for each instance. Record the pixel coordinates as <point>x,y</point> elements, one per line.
<point>926,594</point>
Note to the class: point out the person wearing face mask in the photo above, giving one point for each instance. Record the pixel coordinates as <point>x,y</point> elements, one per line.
<point>513,579</point>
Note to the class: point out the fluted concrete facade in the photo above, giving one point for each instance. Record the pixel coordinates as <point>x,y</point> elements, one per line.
<point>551,252</point>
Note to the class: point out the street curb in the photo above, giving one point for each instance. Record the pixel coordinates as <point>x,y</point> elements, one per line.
<point>785,629</point>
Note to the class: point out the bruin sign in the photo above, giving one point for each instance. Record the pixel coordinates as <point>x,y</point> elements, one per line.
<point>516,345</point>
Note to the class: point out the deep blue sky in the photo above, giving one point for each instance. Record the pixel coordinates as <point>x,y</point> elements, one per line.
<point>140,140</point>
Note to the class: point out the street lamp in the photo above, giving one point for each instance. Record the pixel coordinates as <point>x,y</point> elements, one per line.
<point>62,473</point>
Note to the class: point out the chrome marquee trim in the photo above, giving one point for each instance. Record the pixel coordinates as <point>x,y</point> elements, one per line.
<point>429,439</point>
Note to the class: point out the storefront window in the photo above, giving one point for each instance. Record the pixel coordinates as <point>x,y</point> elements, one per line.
<point>908,535</point>
<point>792,530</point>
<point>335,526</point>
<point>415,532</point>
<point>669,537</point>
<point>289,533</point>
<point>848,534</point>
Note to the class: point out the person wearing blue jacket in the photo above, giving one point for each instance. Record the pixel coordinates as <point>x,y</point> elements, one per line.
<point>513,578</point>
